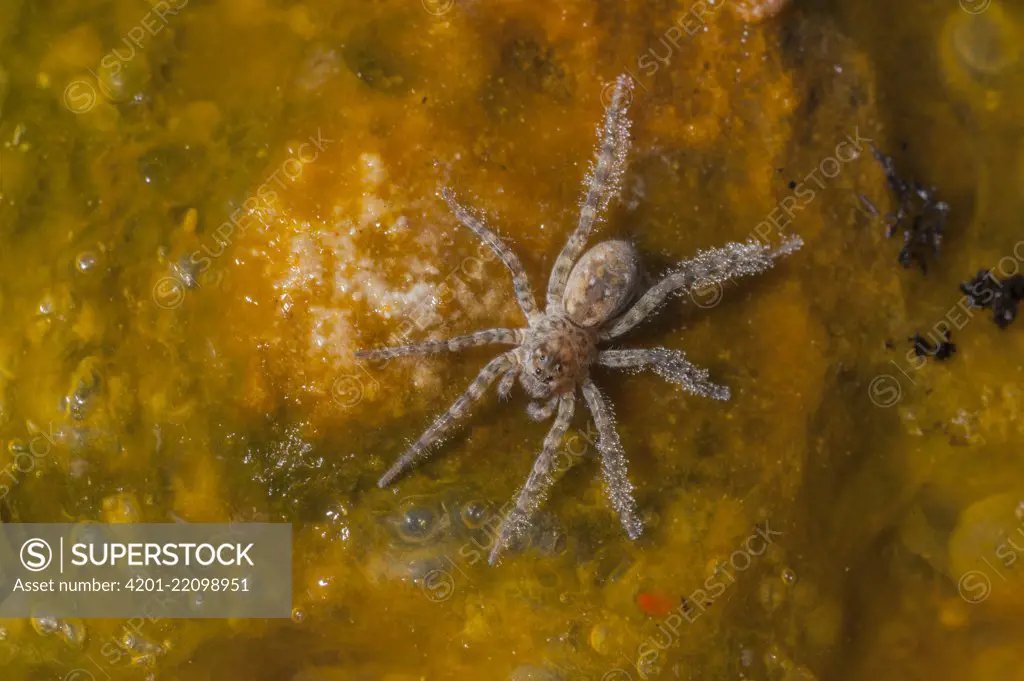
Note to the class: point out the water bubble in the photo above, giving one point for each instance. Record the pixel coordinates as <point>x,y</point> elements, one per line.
<point>474,514</point>
<point>417,524</point>
<point>45,625</point>
<point>788,577</point>
<point>986,45</point>
<point>129,640</point>
<point>73,633</point>
<point>86,261</point>
<point>599,639</point>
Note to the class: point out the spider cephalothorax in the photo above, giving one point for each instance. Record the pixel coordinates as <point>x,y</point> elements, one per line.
<point>591,298</point>
<point>555,355</point>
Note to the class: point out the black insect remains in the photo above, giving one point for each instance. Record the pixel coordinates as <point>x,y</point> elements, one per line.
<point>919,215</point>
<point>940,351</point>
<point>985,290</point>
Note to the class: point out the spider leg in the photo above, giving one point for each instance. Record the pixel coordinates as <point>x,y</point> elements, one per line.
<point>520,282</point>
<point>618,488</point>
<point>458,410</point>
<point>542,412</point>
<point>506,336</point>
<point>671,365</point>
<point>601,183</point>
<point>507,382</point>
<point>535,490</point>
<point>712,267</point>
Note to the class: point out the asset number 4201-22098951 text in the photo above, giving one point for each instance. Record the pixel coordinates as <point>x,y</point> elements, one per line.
<point>188,584</point>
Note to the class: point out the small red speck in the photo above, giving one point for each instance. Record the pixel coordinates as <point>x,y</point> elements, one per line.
<point>655,605</point>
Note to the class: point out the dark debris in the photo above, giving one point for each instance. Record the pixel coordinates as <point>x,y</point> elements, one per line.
<point>919,215</point>
<point>939,350</point>
<point>986,290</point>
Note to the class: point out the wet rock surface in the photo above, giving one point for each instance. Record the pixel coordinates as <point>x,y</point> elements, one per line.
<point>194,246</point>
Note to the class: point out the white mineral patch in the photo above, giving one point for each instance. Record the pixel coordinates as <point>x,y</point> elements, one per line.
<point>358,277</point>
<point>374,173</point>
<point>331,328</point>
<point>374,208</point>
<point>305,264</point>
<point>425,379</point>
<point>335,277</point>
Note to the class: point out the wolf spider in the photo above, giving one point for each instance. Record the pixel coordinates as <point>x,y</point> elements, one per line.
<point>591,299</point>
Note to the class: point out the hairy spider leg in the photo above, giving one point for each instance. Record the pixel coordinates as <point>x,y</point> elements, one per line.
<point>507,382</point>
<point>538,485</point>
<point>459,409</point>
<point>538,411</point>
<point>486,337</point>
<point>614,468</point>
<point>520,282</point>
<point>712,267</point>
<point>601,184</point>
<point>671,365</point>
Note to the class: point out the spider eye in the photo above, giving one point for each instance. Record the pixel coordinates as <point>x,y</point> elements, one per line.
<point>536,372</point>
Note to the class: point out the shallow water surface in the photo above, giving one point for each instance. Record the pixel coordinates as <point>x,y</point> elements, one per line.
<point>209,205</point>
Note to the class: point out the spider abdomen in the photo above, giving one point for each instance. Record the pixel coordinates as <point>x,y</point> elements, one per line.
<point>601,284</point>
